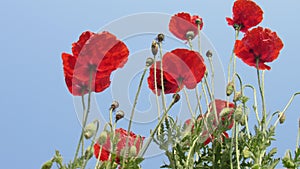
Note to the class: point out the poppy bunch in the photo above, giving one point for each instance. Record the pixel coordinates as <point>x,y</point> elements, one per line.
<point>259,45</point>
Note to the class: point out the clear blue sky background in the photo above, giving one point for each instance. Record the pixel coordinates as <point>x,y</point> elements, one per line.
<point>37,111</point>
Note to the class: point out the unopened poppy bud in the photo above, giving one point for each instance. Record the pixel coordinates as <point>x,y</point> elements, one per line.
<point>237,96</point>
<point>225,112</point>
<point>198,21</point>
<point>243,120</point>
<point>281,117</point>
<point>160,37</point>
<point>102,138</point>
<point>206,73</point>
<point>238,114</point>
<point>132,151</point>
<point>114,105</point>
<point>90,130</point>
<point>47,164</point>
<point>119,115</point>
<point>149,61</point>
<point>154,48</point>
<point>89,152</point>
<point>176,97</point>
<point>246,152</point>
<point>229,88</point>
<point>190,35</point>
<point>209,53</point>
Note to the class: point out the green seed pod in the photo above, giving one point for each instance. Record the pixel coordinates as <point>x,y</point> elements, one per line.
<point>154,48</point>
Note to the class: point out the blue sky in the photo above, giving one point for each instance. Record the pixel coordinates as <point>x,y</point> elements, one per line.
<point>38,114</point>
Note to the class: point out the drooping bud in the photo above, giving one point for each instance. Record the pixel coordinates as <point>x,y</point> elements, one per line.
<point>229,88</point>
<point>154,47</point>
<point>281,117</point>
<point>160,37</point>
<point>225,112</point>
<point>119,115</point>
<point>209,54</point>
<point>237,96</point>
<point>114,105</point>
<point>190,35</point>
<point>176,97</point>
<point>149,61</point>
<point>102,138</point>
<point>90,130</point>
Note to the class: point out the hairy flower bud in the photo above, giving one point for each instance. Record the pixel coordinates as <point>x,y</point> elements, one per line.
<point>154,47</point>
<point>176,97</point>
<point>89,152</point>
<point>190,35</point>
<point>149,61</point>
<point>114,105</point>
<point>237,96</point>
<point>160,37</point>
<point>281,117</point>
<point>119,115</point>
<point>209,54</point>
<point>238,114</point>
<point>47,164</point>
<point>132,151</point>
<point>102,138</point>
<point>90,130</point>
<point>229,88</point>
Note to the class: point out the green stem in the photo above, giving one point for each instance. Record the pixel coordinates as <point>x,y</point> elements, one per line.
<point>298,136</point>
<point>188,103</point>
<point>236,127</point>
<point>286,107</point>
<point>155,86</point>
<point>262,94</point>
<point>142,152</point>
<point>255,102</point>
<point>85,115</point>
<point>162,77</point>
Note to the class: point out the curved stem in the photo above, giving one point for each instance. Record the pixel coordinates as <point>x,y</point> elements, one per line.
<point>286,107</point>
<point>142,152</point>
<point>255,101</point>
<point>132,111</point>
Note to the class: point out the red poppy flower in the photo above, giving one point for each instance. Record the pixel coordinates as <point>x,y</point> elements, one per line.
<point>220,106</point>
<point>182,23</point>
<point>185,66</point>
<point>258,43</point>
<point>170,85</point>
<point>94,56</point>
<point>121,134</point>
<point>246,14</point>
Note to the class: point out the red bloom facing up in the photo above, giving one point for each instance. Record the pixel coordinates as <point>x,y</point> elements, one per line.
<point>94,56</point>
<point>121,134</point>
<point>261,44</point>
<point>220,106</point>
<point>181,67</point>
<point>246,14</point>
<point>182,23</point>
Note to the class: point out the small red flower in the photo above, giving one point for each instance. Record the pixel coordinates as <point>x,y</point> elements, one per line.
<point>170,85</point>
<point>94,56</point>
<point>182,23</point>
<point>258,43</point>
<point>220,105</point>
<point>246,14</point>
<point>185,66</point>
<point>181,67</point>
<point>121,134</point>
